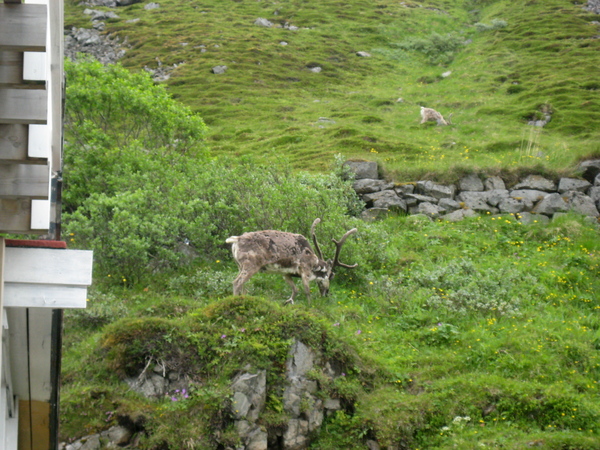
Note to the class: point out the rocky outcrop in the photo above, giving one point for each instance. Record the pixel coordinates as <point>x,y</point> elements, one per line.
<point>534,195</point>
<point>305,404</point>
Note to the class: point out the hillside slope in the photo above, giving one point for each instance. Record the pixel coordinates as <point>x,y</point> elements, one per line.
<point>495,65</point>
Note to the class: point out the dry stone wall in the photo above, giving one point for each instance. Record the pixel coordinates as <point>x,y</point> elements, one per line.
<point>533,198</point>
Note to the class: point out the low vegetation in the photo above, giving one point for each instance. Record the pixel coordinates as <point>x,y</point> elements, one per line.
<point>482,333</point>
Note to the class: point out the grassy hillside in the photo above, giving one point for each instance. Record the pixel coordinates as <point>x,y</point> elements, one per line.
<point>269,103</point>
<point>483,333</point>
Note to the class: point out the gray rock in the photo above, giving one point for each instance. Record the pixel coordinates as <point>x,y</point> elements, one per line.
<point>572,184</point>
<point>597,180</point>
<point>448,204</point>
<point>581,203</point>
<point>590,169</point>
<point>363,169</point>
<point>385,199</point>
<point>332,404</point>
<point>536,182</point>
<point>316,69</point>
<point>494,183</point>
<point>436,190</point>
<point>118,435</point>
<point>249,395</point>
<point>530,195</point>
<point>367,186</point>
<point>296,435</point>
<point>219,70</point>
<point>252,435</point>
<point>373,445</point>
<point>471,182</point>
<point>430,209</point>
<point>476,201</point>
<point>421,198</point>
<point>511,205</point>
<point>91,443</point>
<point>527,218</point>
<point>458,215</point>
<point>594,194</point>
<point>148,385</point>
<point>263,22</point>
<point>151,5</point>
<point>495,196</point>
<point>551,204</point>
<point>363,54</point>
<point>127,2</point>
<point>403,189</point>
<point>301,360</point>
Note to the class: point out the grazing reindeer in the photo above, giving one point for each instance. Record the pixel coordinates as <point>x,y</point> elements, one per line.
<point>429,114</point>
<point>288,254</point>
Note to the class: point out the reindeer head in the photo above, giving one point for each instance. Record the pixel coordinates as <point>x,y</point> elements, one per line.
<point>324,271</point>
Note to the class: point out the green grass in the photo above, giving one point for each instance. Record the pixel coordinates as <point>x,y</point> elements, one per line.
<point>269,103</point>
<point>451,335</point>
<point>486,319</point>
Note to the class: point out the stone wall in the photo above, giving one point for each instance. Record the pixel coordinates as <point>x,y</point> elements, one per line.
<point>533,198</point>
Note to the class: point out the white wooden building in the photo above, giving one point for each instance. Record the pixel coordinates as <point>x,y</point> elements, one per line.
<point>38,278</point>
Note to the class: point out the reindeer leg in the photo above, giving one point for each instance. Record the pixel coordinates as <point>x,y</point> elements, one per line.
<point>288,279</point>
<point>243,276</point>
<point>305,282</point>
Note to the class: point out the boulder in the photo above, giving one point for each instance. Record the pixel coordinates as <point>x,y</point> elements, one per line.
<point>363,54</point>
<point>363,169</point>
<point>430,209</point>
<point>386,199</point>
<point>151,5</point>
<point>458,215</point>
<point>448,204</point>
<point>249,395</point>
<point>402,189</point>
<point>495,196</point>
<point>368,185</point>
<point>594,194</point>
<point>536,182</point>
<point>551,204</point>
<point>530,195</point>
<point>435,190</point>
<point>476,201</point>
<point>493,183</point>
<point>512,205</point>
<point>421,198</point>
<point>590,169</point>
<point>470,182</point>
<point>573,184</point>
<point>581,203</point>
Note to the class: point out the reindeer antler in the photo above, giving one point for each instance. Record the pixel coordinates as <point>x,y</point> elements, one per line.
<point>338,245</point>
<point>314,237</point>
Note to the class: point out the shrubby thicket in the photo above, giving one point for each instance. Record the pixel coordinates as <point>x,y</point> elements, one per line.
<point>142,191</point>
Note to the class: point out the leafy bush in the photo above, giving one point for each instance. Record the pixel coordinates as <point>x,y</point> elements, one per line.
<point>461,287</point>
<point>438,48</point>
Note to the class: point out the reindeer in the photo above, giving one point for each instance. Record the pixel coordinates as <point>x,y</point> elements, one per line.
<point>429,114</point>
<point>288,254</point>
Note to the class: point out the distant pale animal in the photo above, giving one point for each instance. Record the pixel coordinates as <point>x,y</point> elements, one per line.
<point>430,115</point>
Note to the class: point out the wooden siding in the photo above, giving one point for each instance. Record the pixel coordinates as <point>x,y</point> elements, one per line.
<point>23,27</point>
<point>47,278</point>
<point>23,106</point>
<point>24,180</point>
